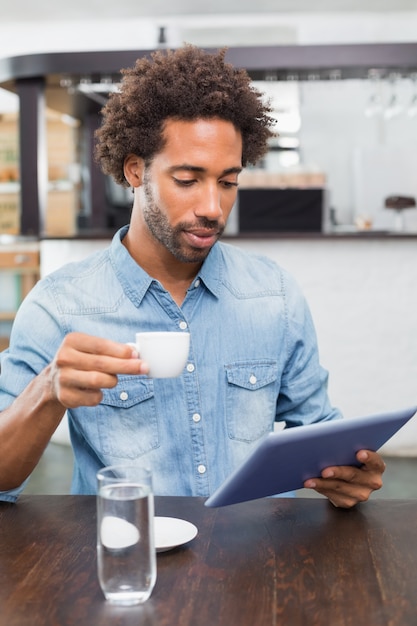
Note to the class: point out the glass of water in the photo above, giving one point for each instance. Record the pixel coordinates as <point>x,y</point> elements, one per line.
<point>126,556</point>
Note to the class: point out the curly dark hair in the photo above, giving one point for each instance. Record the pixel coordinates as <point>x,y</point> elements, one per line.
<point>187,84</point>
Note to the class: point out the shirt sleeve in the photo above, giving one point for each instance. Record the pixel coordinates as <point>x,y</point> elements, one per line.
<point>13,494</point>
<point>36,333</point>
<point>32,344</point>
<point>303,397</point>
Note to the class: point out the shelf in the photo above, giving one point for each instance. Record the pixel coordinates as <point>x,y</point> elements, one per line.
<point>12,187</point>
<point>7,316</point>
<point>19,260</point>
<point>4,343</point>
<point>19,270</point>
<point>53,185</point>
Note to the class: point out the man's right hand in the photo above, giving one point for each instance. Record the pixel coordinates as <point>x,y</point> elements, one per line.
<point>84,365</point>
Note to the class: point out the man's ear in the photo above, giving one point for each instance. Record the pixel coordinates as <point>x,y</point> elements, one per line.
<point>133,170</point>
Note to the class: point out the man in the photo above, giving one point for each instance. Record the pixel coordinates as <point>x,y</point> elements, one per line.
<point>181,129</point>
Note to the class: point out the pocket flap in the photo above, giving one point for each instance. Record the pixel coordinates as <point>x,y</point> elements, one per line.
<point>130,390</point>
<point>253,374</point>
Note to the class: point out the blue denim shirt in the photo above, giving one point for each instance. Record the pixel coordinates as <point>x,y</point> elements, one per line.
<point>253,360</point>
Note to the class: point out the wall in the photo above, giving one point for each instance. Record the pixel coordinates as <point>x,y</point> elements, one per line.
<point>363,298</point>
<point>365,158</point>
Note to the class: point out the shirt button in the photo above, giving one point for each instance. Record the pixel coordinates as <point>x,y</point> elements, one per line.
<point>252,379</point>
<point>190,367</point>
<point>201,469</point>
<point>183,325</point>
<point>124,395</point>
<point>196,417</point>
<point>197,283</point>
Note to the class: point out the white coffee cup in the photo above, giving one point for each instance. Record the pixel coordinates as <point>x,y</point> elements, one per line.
<point>166,353</point>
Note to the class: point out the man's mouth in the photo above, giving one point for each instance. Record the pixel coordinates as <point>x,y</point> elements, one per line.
<point>202,237</point>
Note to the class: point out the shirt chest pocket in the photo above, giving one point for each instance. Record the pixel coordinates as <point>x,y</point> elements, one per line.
<point>127,419</point>
<point>251,398</point>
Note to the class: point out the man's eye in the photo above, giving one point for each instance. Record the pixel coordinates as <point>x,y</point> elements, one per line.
<point>187,182</point>
<point>228,184</point>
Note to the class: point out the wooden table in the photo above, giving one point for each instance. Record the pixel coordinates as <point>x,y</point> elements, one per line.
<point>268,562</point>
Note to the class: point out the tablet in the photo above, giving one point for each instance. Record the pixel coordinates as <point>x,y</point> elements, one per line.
<point>284,460</point>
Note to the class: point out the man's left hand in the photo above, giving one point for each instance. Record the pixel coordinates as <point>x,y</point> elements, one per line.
<point>345,486</point>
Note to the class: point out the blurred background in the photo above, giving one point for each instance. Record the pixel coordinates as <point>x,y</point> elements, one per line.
<point>333,201</point>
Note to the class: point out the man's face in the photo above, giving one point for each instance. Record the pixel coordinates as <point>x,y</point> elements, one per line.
<point>190,187</point>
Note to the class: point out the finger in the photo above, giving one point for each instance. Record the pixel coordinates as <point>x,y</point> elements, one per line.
<point>86,353</point>
<point>72,359</point>
<point>345,501</point>
<point>369,474</point>
<point>340,498</point>
<point>339,493</point>
<point>372,461</point>
<point>78,379</point>
<point>72,398</point>
<point>357,491</point>
<point>88,345</point>
<point>73,388</point>
<point>352,476</point>
<point>96,345</point>
<point>342,502</point>
<point>347,473</point>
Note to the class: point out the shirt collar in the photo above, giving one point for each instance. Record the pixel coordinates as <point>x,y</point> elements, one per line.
<point>211,270</point>
<point>135,281</point>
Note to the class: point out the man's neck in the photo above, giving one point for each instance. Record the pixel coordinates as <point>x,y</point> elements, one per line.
<point>175,276</point>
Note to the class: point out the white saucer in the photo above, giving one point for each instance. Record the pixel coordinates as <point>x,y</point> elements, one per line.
<point>171,532</point>
<point>118,533</point>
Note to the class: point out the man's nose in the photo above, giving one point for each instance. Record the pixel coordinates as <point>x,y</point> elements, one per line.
<point>210,205</point>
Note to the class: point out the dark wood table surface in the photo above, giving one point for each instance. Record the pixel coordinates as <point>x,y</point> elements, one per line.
<point>267,562</point>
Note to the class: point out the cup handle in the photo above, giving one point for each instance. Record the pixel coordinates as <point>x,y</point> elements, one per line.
<point>134,345</point>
